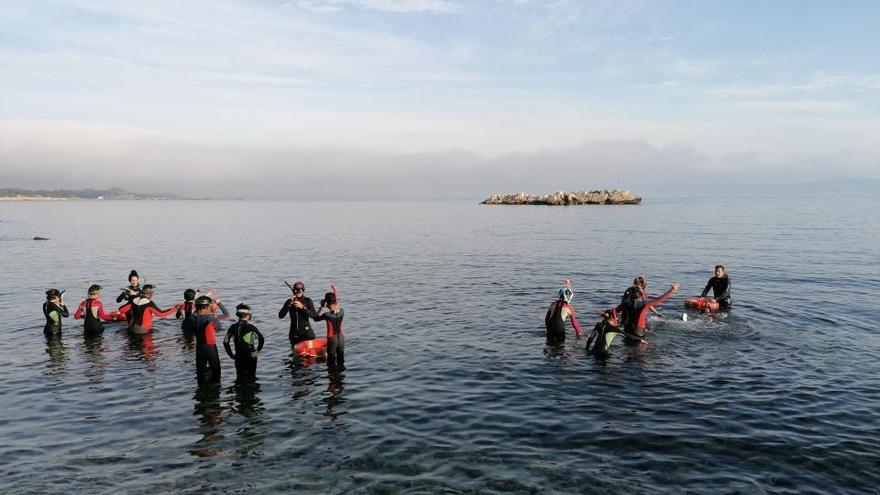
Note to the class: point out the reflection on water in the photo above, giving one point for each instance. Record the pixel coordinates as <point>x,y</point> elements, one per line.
<point>141,348</point>
<point>333,395</point>
<point>57,354</point>
<point>93,348</point>
<point>209,413</point>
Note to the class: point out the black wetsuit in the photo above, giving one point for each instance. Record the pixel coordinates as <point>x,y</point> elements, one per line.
<point>54,313</point>
<point>300,328</point>
<point>721,289</point>
<point>124,296</point>
<point>600,331</point>
<point>92,312</point>
<point>242,335</point>
<point>335,338</point>
<point>554,321</point>
<point>187,311</point>
<point>206,327</point>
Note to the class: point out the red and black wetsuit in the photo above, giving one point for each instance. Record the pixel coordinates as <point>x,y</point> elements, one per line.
<point>720,289</point>
<point>206,328</point>
<point>93,312</point>
<point>555,321</point>
<point>242,335</point>
<point>54,313</point>
<point>335,338</point>
<point>636,315</point>
<point>300,328</point>
<point>142,311</point>
<point>186,309</point>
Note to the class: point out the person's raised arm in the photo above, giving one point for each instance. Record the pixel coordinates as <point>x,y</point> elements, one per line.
<point>660,300</point>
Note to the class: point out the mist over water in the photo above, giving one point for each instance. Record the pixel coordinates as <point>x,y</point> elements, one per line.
<point>450,387</point>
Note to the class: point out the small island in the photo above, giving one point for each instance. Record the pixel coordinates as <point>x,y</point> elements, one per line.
<point>114,193</point>
<point>560,198</point>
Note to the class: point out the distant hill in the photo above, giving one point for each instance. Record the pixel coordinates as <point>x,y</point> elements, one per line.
<point>115,193</point>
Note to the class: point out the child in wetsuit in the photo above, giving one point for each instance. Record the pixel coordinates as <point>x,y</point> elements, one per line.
<point>560,310</point>
<point>206,328</point>
<point>333,315</point>
<point>601,333</point>
<point>54,309</point>
<point>142,311</point>
<point>186,310</point>
<point>92,310</point>
<point>248,342</point>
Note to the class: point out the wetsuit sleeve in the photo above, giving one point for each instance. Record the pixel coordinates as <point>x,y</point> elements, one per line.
<point>660,300</point>
<point>122,296</point>
<point>101,314</point>
<point>726,293</point>
<point>179,308</point>
<point>708,286</point>
<point>574,320</point>
<point>226,339</point>
<point>63,311</point>
<point>79,311</point>
<point>310,307</point>
<point>224,312</point>
<point>125,309</point>
<point>160,313</point>
<point>284,309</point>
<point>547,317</point>
<point>260,338</point>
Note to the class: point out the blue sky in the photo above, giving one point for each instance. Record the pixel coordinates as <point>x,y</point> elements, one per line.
<point>616,91</point>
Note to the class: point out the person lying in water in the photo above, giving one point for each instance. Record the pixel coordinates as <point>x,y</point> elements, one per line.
<point>561,310</point>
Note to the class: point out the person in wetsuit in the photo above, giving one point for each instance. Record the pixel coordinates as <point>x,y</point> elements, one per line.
<point>186,310</point>
<point>142,310</point>
<point>54,309</point>
<point>129,293</point>
<point>206,327</point>
<point>92,310</point>
<point>640,285</point>
<point>333,315</point>
<point>720,285</point>
<point>635,313</point>
<point>248,342</point>
<point>299,307</point>
<point>560,310</point>
<point>601,333</point>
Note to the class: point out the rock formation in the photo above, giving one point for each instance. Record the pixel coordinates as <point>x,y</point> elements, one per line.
<point>560,198</point>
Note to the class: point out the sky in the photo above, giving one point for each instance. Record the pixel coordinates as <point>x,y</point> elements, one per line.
<point>365,99</point>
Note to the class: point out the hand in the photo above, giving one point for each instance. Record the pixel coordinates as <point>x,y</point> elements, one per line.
<point>298,304</point>
<point>255,354</point>
<point>675,287</point>
<point>132,293</point>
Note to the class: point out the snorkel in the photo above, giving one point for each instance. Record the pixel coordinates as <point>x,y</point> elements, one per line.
<point>565,293</point>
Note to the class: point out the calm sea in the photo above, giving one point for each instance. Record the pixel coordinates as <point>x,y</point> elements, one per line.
<point>450,387</point>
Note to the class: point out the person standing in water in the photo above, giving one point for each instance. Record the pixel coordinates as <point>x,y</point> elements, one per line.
<point>333,315</point>
<point>54,309</point>
<point>129,293</point>
<point>720,285</point>
<point>561,310</point>
<point>636,314</point>
<point>248,342</point>
<point>299,307</point>
<point>206,327</point>
<point>92,310</point>
<point>142,309</point>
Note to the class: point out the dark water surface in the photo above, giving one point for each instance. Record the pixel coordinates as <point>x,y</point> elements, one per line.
<point>449,387</point>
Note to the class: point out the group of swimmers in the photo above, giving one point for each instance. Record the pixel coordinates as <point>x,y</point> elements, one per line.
<point>243,342</point>
<point>629,318</point>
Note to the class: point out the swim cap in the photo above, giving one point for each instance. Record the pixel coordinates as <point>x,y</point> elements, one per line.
<point>189,294</point>
<point>52,293</point>
<point>203,301</point>
<point>299,285</point>
<point>242,310</point>
<point>566,294</point>
<point>94,289</point>
<point>330,298</point>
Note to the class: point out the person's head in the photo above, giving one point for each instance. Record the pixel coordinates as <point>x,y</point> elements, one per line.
<point>133,278</point>
<point>203,305</point>
<point>565,294</point>
<point>243,312</point>
<point>53,295</point>
<point>148,291</point>
<point>641,282</point>
<point>94,291</point>
<point>330,299</point>
<point>636,294</point>
<point>189,295</point>
<point>299,288</point>
<point>720,271</point>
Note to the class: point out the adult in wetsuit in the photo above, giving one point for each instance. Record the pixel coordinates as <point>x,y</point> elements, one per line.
<point>248,342</point>
<point>333,315</point>
<point>54,309</point>
<point>142,310</point>
<point>206,328</point>
<point>720,285</point>
<point>560,310</point>
<point>636,314</point>
<point>92,310</point>
<point>299,307</point>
